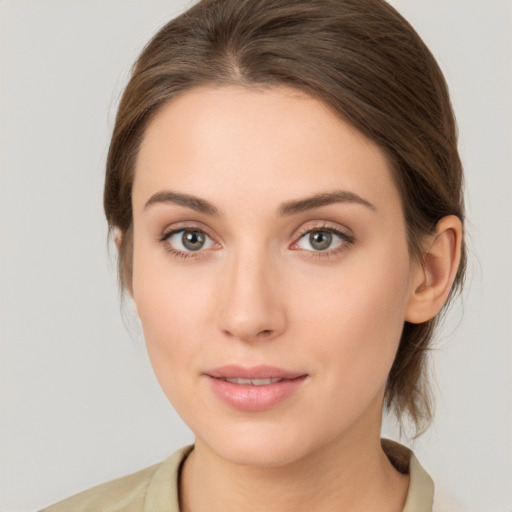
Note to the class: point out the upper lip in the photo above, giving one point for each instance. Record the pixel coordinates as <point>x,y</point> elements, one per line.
<point>233,371</point>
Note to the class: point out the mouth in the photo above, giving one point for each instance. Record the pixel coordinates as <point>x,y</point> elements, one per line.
<point>257,375</point>
<point>254,389</point>
<point>252,382</point>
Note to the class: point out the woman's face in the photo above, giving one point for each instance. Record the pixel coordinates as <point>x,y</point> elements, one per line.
<point>271,271</point>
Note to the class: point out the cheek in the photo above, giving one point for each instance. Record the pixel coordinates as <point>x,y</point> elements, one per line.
<point>171,332</point>
<point>176,304</point>
<point>173,315</point>
<point>356,312</point>
<point>173,311</point>
<point>168,298</point>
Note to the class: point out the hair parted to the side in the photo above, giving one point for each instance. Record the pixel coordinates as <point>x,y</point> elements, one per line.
<point>359,57</point>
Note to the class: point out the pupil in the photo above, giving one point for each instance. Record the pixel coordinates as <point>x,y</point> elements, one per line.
<point>193,240</point>
<point>320,240</point>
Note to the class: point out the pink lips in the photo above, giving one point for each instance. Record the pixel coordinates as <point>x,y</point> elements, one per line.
<point>253,389</point>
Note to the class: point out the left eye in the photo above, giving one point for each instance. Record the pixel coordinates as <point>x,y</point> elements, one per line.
<point>189,240</point>
<point>320,240</point>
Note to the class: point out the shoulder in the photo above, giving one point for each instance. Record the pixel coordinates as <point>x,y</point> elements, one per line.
<point>126,493</point>
<point>136,492</point>
<point>422,495</point>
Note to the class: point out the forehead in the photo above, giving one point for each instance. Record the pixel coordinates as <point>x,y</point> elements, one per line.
<point>274,143</point>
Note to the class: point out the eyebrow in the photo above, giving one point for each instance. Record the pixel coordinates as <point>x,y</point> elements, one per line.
<point>192,202</point>
<point>323,199</point>
<point>286,209</point>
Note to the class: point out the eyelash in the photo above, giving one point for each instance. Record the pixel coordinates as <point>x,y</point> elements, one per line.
<point>347,241</point>
<point>164,239</point>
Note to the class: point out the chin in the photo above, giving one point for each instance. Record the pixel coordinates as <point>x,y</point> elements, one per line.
<point>262,455</point>
<point>259,445</point>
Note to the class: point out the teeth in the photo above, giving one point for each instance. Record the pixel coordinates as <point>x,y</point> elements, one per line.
<point>252,382</point>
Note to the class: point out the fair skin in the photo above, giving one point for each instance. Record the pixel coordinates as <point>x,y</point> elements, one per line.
<point>230,269</point>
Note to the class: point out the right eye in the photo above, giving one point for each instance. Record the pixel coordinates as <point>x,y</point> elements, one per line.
<point>188,241</point>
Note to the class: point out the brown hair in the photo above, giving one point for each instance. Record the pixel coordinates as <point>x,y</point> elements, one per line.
<point>359,57</point>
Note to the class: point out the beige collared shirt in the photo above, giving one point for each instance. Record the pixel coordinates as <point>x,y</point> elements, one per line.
<point>155,489</point>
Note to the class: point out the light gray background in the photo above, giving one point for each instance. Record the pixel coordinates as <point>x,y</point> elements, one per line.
<point>79,403</point>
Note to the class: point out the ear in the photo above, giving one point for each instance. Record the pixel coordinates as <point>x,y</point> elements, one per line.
<point>118,240</point>
<point>433,277</point>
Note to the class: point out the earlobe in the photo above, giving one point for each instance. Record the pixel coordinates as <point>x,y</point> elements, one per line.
<point>432,279</point>
<point>129,287</point>
<point>118,237</point>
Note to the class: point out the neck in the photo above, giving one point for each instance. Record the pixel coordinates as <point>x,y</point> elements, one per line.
<point>349,473</point>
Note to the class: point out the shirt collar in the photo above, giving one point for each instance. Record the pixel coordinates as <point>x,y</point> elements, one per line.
<point>162,492</point>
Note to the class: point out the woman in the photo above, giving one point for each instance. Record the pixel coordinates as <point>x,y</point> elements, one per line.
<point>285,193</point>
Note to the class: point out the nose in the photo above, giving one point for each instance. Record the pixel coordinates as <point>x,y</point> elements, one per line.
<point>251,301</point>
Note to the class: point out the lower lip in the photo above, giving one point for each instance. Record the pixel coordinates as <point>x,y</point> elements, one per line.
<point>255,398</point>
